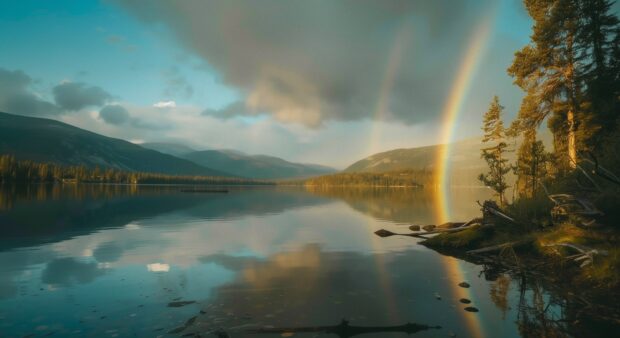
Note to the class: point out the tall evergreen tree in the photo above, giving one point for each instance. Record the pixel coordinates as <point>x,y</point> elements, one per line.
<point>571,74</point>
<point>531,166</point>
<point>597,36</point>
<point>547,69</point>
<point>494,153</point>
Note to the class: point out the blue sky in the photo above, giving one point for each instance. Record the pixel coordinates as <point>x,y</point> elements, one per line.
<point>261,77</point>
<point>98,43</point>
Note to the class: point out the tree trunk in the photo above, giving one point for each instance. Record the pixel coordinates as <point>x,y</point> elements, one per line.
<point>572,145</point>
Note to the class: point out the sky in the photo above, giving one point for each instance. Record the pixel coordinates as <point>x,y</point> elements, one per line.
<point>325,82</point>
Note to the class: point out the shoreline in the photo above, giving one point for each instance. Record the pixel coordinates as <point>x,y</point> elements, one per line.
<point>502,248</point>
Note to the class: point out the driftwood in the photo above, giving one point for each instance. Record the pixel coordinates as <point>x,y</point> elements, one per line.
<point>569,205</point>
<point>489,208</point>
<point>388,233</point>
<point>585,255</point>
<point>496,247</point>
<point>420,234</point>
<point>441,231</point>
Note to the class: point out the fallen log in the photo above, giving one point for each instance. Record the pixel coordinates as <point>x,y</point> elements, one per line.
<point>388,233</point>
<point>441,231</point>
<point>496,247</point>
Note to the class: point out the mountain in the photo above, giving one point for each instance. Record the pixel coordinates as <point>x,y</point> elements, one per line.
<point>465,161</point>
<point>174,149</point>
<point>255,166</point>
<point>45,140</point>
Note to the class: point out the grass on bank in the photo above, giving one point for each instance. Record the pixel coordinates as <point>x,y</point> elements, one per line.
<point>534,227</point>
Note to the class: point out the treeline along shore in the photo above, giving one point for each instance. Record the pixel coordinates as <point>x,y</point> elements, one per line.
<point>402,178</point>
<point>20,171</point>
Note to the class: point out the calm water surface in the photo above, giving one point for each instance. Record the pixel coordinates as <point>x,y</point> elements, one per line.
<point>150,261</point>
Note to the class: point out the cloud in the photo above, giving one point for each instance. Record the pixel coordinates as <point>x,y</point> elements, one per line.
<point>16,96</point>
<point>114,114</point>
<point>149,124</point>
<point>236,108</point>
<point>165,104</point>
<point>68,271</point>
<point>312,61</point>
<point>73,96</point>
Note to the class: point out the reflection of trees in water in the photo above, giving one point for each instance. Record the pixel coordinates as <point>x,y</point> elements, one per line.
<point>11,194</point>
<point>499,293</point>
<point>540,314</point>
<point>404,205</point>
<point>544,310</point>
<point>401,205</point>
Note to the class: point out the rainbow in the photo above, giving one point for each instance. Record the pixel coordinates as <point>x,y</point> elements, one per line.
<point>467,70</point>
<point>450,115</point>
<point>401,40</point>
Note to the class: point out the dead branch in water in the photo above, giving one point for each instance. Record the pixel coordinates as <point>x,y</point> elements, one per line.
<point>585,256</point>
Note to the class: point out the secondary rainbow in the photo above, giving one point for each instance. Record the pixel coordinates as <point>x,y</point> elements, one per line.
<point>401,41</point>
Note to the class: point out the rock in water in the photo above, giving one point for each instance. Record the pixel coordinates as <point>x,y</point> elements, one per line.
<point>464,284</point>
<point>383,233</point>
<point>414,228</point>
<point>437,296</point>
<point>464,300</point>
<point>471,309</point>
<point>429,227</point>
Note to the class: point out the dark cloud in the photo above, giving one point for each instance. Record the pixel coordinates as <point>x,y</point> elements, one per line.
<point>73,96</point>
<point>114,114</point>
<point>311,61</point>
<point>17,98</point>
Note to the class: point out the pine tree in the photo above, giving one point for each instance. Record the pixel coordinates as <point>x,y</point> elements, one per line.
<point>596,36</point>
<point>547,69</point>
<point>494,154</point>
<point>531,166</point>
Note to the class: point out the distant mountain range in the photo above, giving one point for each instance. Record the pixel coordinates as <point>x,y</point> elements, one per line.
<point>45,140</point>
<point>465,161</point>
<point>241,164</point>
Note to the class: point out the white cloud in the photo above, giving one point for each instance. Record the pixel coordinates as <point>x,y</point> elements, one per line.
<point>158,267</point>
<point>165,104</point>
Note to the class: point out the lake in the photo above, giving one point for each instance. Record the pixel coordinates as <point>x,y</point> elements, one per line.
<point>89,260</point>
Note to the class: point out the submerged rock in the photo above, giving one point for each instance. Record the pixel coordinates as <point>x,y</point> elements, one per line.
<point>429,227</point>
<point>464,300</point>
<point>464,284</point>
<point>471,309</point>
<point>437,296</point>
